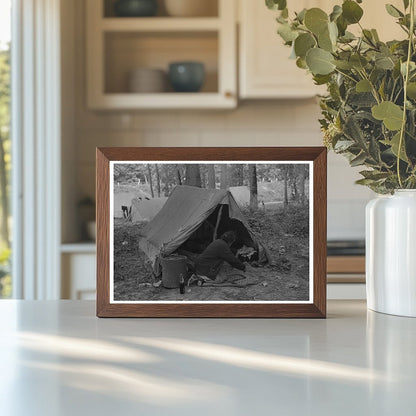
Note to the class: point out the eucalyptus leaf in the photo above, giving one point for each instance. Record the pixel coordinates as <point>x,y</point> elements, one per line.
<point>351,11</point>
<point>321,79</point>
<point>393,11</point>
<point>342,25</point>
<point>363,86</point>
<point>358,160</point>
<point>303,43</point>
<point>301,15</point>
<point>276,4</point>
<point>375,35</point>
<point>336,12</point>
<point>316,20</point>
<point>394,145</point>
<point>301,63</point>
<point>287,33</point>
<point>385,62</point>
<point>325,42</point>
<point>374,174</point>
<point>388,112</point>
<point>345,65</point>
<point>343,145</point>
<point>320,61</point>
<point>347,37</point>
<point>411,90</point>
<point>358,61</point>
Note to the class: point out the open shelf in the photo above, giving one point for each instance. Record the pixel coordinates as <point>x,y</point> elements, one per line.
<point>211,9</point>
<point>160,24</point>
<point>127,51</point>
<point>119,45</point>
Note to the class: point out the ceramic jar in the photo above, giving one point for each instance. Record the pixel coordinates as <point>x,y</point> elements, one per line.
<point>186,76</point>
<point>135,8</point>
<point>391,253</point>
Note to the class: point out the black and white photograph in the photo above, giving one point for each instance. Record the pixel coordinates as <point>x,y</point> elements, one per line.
<point>211,232</point>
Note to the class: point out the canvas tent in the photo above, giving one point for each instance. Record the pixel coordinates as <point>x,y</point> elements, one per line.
<point>186,212</point>
<point>143,209</point>
<point>241,195</point>
<point>121,199</point>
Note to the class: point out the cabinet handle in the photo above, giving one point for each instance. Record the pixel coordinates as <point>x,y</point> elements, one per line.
<point>229,94</point>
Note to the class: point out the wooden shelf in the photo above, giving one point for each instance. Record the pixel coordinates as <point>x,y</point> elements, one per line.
<point>160,24</point>
<point>128,101</point>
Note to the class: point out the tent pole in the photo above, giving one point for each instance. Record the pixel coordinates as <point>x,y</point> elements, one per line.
<point>218,223</point>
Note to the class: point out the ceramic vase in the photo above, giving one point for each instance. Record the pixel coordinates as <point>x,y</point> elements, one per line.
<point>391,253</point>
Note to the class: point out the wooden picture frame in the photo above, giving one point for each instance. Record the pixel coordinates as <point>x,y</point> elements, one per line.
<point>312,307</point>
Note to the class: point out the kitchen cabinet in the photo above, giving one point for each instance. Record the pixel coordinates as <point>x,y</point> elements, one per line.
<point>78,263</point>
<point>118,45</point>
<point>265,69</point>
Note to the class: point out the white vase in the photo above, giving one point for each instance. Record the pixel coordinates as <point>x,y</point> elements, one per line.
<point>391,253</point>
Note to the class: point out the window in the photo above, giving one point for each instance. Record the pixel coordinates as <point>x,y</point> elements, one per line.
<point>5,147</point>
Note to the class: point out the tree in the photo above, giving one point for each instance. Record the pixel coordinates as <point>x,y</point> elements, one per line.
<point>149,170</point>
<point>193,175</point>
<point>4,142</point>
<point>224,176</point>
<point>236,173</point>
<point>252,173</point>
<point>284,169</point>
<point>157,180</point>
<point>211,176</point>
<point>304,174</point>
<point>178,175</point>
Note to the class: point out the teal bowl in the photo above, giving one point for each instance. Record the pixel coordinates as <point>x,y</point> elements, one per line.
<point>186,76</point>
<point>135,8</point>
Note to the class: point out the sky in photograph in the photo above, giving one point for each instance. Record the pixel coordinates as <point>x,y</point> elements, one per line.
<point>4,22</point>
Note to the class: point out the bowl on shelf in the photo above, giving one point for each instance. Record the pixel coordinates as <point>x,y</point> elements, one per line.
<point>186,76</point>
<point>191,8</point>
<point>135,8</point>
<point>147,81</point>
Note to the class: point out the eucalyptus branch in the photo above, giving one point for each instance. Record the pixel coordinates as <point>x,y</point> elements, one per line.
<point>346,75</point>
<point>406,80</point>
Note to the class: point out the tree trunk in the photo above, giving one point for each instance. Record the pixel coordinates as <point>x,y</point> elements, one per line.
<point>211,176</point>
<point>193,175</point>
<point>253,186</point>
<point>239,175</point>
<point>4,196</point>
<point>157,180</point>
<point>149,170</point>
<point>224,176</point>
<point>285,179</point>
<point>302,185</point>
<point>178,175</point>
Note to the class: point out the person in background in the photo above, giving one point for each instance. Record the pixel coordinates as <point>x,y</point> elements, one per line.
<point>209,263</point>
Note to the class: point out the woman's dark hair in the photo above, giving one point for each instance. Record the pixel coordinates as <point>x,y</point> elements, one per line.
<point>229,237</point>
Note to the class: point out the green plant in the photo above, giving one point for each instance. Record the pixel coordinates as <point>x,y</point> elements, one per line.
<point>369,113</point>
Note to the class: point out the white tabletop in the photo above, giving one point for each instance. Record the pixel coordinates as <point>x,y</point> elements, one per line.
<point>57,358</point>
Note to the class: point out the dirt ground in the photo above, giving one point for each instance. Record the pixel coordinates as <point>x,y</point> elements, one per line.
<point>284,233</point>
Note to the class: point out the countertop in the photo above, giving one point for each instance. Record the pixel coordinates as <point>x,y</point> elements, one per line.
<point>57,358</point>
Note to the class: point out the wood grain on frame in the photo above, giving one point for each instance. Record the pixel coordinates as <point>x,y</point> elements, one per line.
<point>212,310</point>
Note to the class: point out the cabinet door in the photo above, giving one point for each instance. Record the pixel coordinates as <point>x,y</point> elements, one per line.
<point>265,68</point>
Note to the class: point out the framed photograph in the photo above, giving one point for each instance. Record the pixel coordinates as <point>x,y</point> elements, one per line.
<point>211,232</point>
